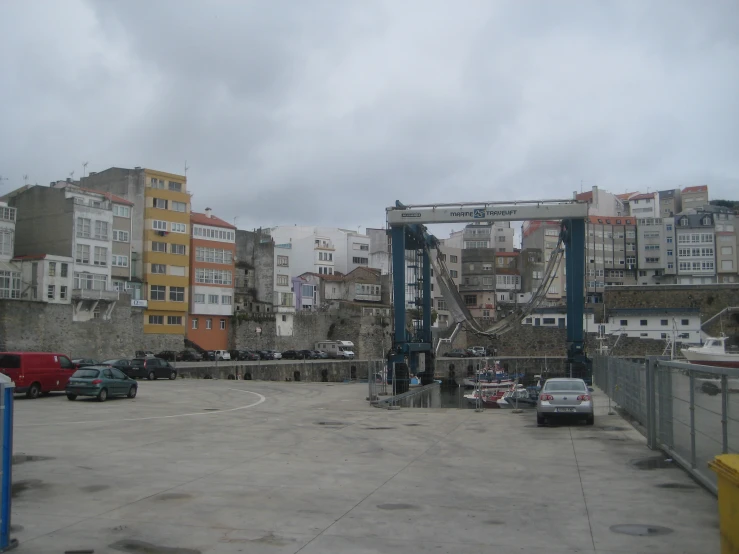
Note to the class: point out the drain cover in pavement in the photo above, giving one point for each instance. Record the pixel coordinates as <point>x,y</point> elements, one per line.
<point>641,530</point>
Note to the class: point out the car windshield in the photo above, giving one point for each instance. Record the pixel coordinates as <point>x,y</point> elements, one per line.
<point>86,373</point>
<point>139,362</point>
<point>111,362</point>
<point>573,385</point>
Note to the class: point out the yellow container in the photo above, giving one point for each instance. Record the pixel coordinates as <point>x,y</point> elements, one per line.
<point>726,467</point>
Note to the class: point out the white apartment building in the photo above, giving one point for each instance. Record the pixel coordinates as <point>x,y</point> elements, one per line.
<point>284,297</point>
<point>48,278</point>
<point>645,205</point>
<point>694,197</point>
<point>544,236</point>
<point>696,248</point>
<point>656,250</point>
<point>602,203</point>
<point>10,276</point>
<point>453,261</point>
<point>726,245</point>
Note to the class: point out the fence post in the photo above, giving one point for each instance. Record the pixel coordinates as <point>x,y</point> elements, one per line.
<point>651,412</point>
<point>725,413</point>
<point>691,378</point>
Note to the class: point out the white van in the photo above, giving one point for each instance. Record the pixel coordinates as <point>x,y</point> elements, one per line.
<point>337,348</point>
<point>221,355</point>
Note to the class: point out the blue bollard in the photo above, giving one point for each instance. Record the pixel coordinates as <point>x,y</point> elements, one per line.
<point>7,389</point>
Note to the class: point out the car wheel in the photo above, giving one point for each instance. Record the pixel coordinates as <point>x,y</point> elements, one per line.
<point>540,420</point>
<point>103,395</point>
<point>71,397</point>
<point>33,391</point>
<point>152,376</point>
<point>132,392</point>
<point>173,376</point>
<point>590,420</point>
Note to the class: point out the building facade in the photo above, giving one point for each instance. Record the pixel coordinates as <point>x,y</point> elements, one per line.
<point>694,197</point>
<point>670,202</point>
<point>645,205</point>
<point>656,250</point>
<point>544,237</point>
<point>668,324</point>
<point>10,277</point>
<point>478,282</point>
<point>49,278</point>
<point>601,202</point>
<point>610,255</point>
<point>696,248</point>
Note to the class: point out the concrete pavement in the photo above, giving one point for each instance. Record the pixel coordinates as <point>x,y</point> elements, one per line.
<point>245,466</point>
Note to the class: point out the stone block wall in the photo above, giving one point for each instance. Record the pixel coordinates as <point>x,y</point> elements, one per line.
<point>316,371</point>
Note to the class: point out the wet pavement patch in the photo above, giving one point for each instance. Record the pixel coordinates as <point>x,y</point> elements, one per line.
<point>412,424</point>
<point>331,423</point>
<point>655,462</point>
<point>495,522</point>
<point>173,496</point>
<point>141,547</point>
<point>94,488</point>
<point>19,487</point>
<point>87,551</point>
<point>23,458</point>
<point>637,530</point>
<point>677,486</point>
<point>211,409</point>
<point>613,428</point>
<point>397,507</point>
<point>16,528</point>
<point>272,540</point>
<point>379,428</point>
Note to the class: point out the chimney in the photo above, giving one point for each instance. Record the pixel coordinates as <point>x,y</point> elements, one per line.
<point>208,213</point>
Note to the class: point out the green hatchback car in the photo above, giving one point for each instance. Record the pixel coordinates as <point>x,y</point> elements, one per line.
<point>100,382</point>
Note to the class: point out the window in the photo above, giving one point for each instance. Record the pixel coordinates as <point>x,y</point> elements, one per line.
<point>684,322</point>
<point>120,236</point>
<point>51,292</point>
<point>156,320</point>
<point>223,324</point>
<point>10,284</point>
<point>282,261</point>
<point>159,246</point>
<point>179,206</point>
<point>548,321</point>
<point>360,261</point>
<point>453,259</point>
<point>62,292</point>
<point>199,298</point>
<point>624,322</point>
<point>174,320</point>
<point>179,249</point>
<point>157,183</point>
<point>84,227</point>
<point>643,322</point>
<point>178,270</point>
<point>668,227</point>
<point>364,246</point>
<point>453,273</point>
<point>119,261</point>
<point>212,299</point>
<point>159,268</point>
<point>90,281</point>
<point>159,225</point>
<point>195,323</point>
<point>175,186</point>
<point>663,322</point>
<point>101,230</point>
<point>52,269</point>
<point>208,323</point>
<point>470,299</point>
<point>176,294</point>
<point>65,270</point>
<point>670,265</point>
<point>282,280</point>
<point>727,251</point>
<point>669,240</point>
<point>82,255</point>
<point>226,300</point>
<point>213,276</point>
<point>670,253</point>
<point>121,211</point>
<point>158,293</point>
<point>179,228</point>
<point>215,255</point>
<point>211,233</point>
<point>160,203</point>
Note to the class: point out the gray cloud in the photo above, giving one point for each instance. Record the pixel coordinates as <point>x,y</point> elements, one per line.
<point>325,112</point>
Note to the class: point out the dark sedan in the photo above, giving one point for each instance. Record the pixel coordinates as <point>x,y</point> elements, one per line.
<point>291,355</point>
<point>458,353</point>
<point>100,382</point>
<point>169,355</point>
<point>319,355</point>
<point>83,362</point>
<point>152,368</point>
<point>121,364</point>
<point>189,356</point>
<point>248,355</point>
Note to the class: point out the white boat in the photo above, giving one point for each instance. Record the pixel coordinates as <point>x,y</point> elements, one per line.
<point>712,353</point>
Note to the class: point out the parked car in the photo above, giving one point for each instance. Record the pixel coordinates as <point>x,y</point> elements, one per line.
<point>249,355</point>
<point>169,355</point>
<point>121,364</point>
<point>265,354</point>
<point>83,362</point>
<point>151,368</point>
<point>101,382</point>
<point>291,355</point>
<point>307,354</point>
<point>221,355</point>
<point>189,355</point>
<point>320,354</point>
<point>37,372</point>
<point>144,354</point>
<point>457,353</point>
<point>477,351</point>
<point>560,397</point>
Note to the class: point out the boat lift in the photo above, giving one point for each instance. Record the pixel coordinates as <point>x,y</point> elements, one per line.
<point>411,271</point>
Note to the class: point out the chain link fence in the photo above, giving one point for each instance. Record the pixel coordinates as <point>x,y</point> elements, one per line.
<point>689,411</point>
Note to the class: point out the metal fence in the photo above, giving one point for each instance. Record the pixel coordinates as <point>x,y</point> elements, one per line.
<point>689,411</point>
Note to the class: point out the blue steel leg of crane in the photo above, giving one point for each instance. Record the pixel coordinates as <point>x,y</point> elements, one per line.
<point>575,279</point>
<point>398,245</point>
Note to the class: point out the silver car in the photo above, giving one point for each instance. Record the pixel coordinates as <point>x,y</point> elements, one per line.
<point>565,398</point>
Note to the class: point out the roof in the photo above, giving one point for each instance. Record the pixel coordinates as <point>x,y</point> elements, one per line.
<point>585,196</point>
<point>626,195</point>
<point>611,220</point>
<point>109,195</point>
<point>652,310</point>
<point>31,257</point>
<point>213,221</point>
<point>642,196</point>
<point>700,188</point>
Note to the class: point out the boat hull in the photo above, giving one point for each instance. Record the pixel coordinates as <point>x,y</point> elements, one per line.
<point>715,360</point>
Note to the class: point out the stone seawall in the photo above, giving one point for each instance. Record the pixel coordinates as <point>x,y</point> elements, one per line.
<point>315,371</point>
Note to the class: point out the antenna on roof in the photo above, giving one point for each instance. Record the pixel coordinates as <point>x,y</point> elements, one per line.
<point>71,174</point>
<point>186,168</point>
<point>84,169</point>
<point>25,179</point>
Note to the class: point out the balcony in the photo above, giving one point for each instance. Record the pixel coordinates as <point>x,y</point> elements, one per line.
<point>323,244</point>
<point>94,294</point>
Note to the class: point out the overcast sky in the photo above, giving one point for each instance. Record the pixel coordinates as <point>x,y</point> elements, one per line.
<point>326,112</point>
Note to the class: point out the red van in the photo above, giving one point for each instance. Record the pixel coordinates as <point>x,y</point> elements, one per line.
<point>36,372</point>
